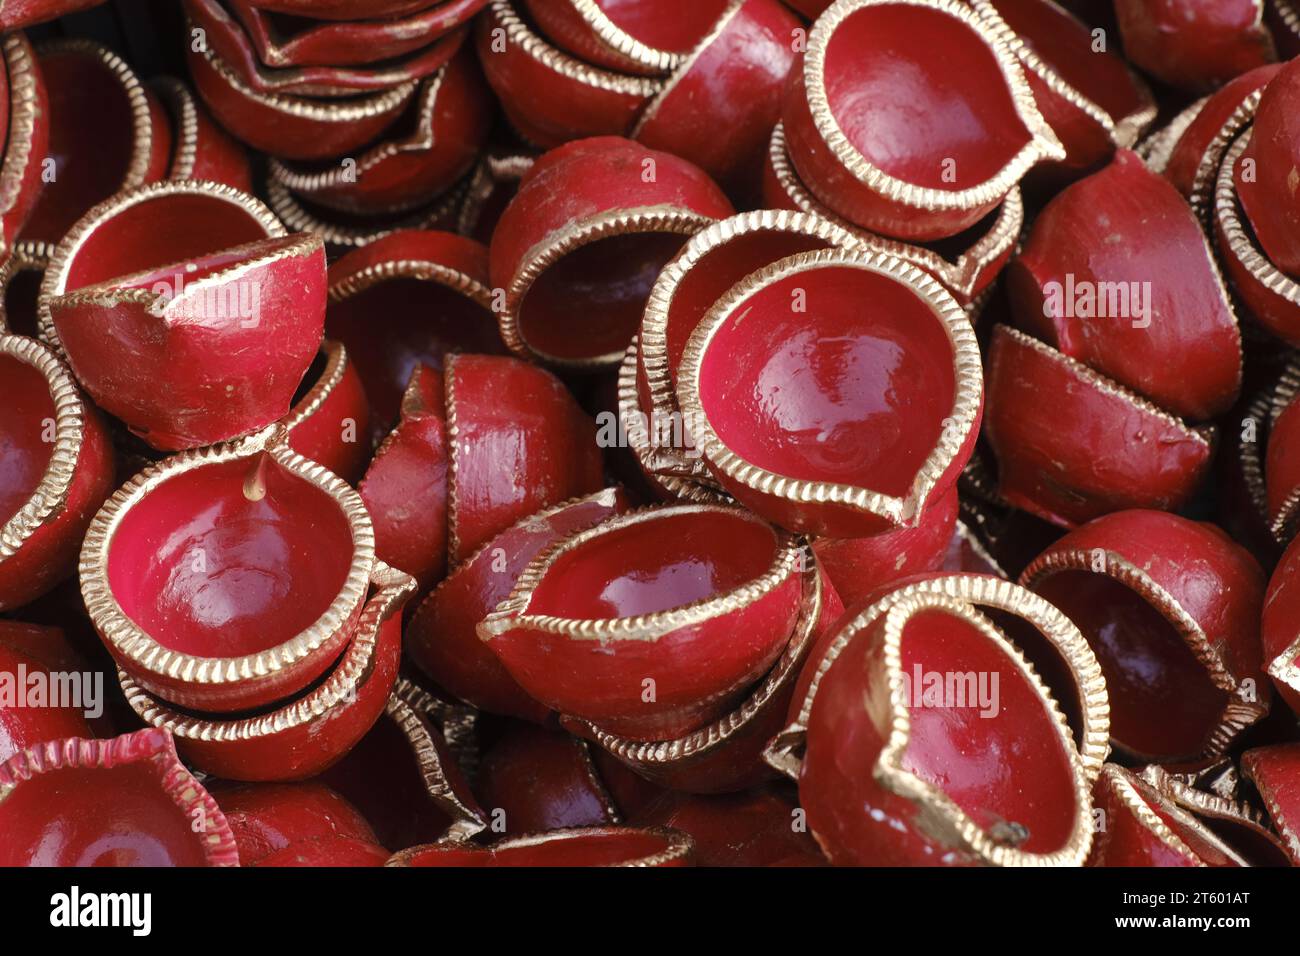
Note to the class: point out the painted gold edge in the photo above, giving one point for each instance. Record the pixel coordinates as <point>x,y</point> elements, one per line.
<point>1043,143</point>
<point>1204,803</point>
<point>967,390</point>
<point>623,43</point>
<point>185,148</point>
<point>1118,781</point>
<point>1158,148</point>
<point>457,722</point>
<point>682,68</point>
<point>1205,179</point>
<point>451,426</point>
<point>1289,15</point>
<point>1289,835</point>
<point>490,172</point>
<point>512,613</point>
<point>360,280</point>
<point>299,219</point>
<point>677,844</point>
<point>972,541</point>
<point>336,366</point>
<point>23,79</point>
<point>1251,463</point>
<point>131,643</point>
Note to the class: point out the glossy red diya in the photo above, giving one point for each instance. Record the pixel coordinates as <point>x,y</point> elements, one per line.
<point>787,391</point>
<point>1281,638</point>
<point>879,167</point>
<point>890,699</point>
<point>128,801</point>
<point>1170,608</point>
<point>1266,194</point>
<point>26,13</point>
<point>1242,828</point>
<point>282,824</point>
<point>200,148</point>
<point>24,108</point>
<point>187,569</point>
<point>1195,45</point>
<point>329,421</point>
<point>300,734</point>
<point>607,208</point>
<point>651,624</point>
<point>1275,774</point>
<point>580,846</point>
<point>441,637</point>
<point>29,654</point>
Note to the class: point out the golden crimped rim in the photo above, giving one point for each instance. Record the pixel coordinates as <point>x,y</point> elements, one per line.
<point>336,366</point>
<point>26,256</point>
<point>698,744</point>
<point>784,751</point>
<point>176,781</point>
<point>428,270</point>
<point>1239,713</point>
<point>678,845</point>
<point>959,275</point>
<point>967,387</point>
<point>513,613</point>
<point>300,219</point>
<point>623,43</point>
<point>1122,131</point>
<point>1202,803</point>
<point>675,472</point>
<point>968,537</point>
<point>1285,828</point>
<point>1289,15</point>
<point>491,171</point>
<point>519,34</point>
<point>685,63</point>
<point>70,413</point>
<point>185,113</point>
<point>654,324</point>
<point>24,81</point>
<point>1158,148</point>
<point>53,283</point>
<point>1281,525</point>
<point>575,234</point>
<point>451,428</point>
<point>1204,192</point>
<point>393,587</point>
<point>131,643</point>
<point>1042,144</point>
<point>1251,462</point>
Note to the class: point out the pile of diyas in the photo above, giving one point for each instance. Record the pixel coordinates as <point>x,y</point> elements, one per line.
<point>567,433</point>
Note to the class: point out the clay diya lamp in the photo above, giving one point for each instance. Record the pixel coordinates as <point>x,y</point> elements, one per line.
<point>577,258</point>
<point>627,37</point>
<point>441,638</point>
<point>580,846</point>
<point>1138,826</point>
<point>57,469</point>
<point>653,623</point>
<point>733,80</point>
<point>1275,774</point>
<point>436,487</point>
<point>1101,448</point>
<point>329,420</point>
<point>1117,274</point>
<point>20,283</point>
<point>31,712</point>
<point>491,187</point>
<point>26,13</point>
<point>229,577</point>
<point>548,96</point>
<point>283,41</point>
<point>931,180</point>
<point>1242,499</point>
<point>301,733</point>
<point>24,106</point>
<point>860,567</point>
<point>404,774</point>
<point>726,755</point>
<point>1239,825</point>
<point>1263,189</point>
<point>342,9</point>
<point>1170,608</point>
<point>534,779</point>
<point>107,133</point>
<point>901,680</point>
<point>1270,295</point>
<point>756,828</point>
<point>1092,100</point>
<point>200,148</point>
<point>283,824</point>
<point>445,128</point>
<point>128,801</point>
<point>1281,469</point>
<point>294,127</point>
<point>1280,635</point>
<point>1195,46</point>
<point>808,455</point>
<point>966,264</point>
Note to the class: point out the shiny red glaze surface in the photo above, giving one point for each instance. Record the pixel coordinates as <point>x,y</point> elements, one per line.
<point>853,391</point>
<point>1282,461</point>
<point>206,350</point>
<point>859,567</point>
<point>1129,227</point>
<point>292,127</point>
<point>92,139</point>
<point>1201,132</point>
<point>589,303</point>
<point>200,148</point>
<point>909,86</point>
<point>1278,628</point>
<point>581,846</point>
<point>128,801</point>
<point>1128,840</point>
<point>1269,195</point>
<point>24,432</point>
<point>330,418</point>
<point>299,41</point>
<point>405,491</point>
<point>26,13</point>
<point>342,9</point>
<point>519,443</point>
<point>675,26</point>
<point>1163,703</point>
<point>1070,449</point>
<point>329,851</point>
<point>1194,44</point>
<point>269,818</point>
<point>734,83</point>
<point>699,668</point>
<point>424,154</point>
<point>1010,767</point>
<point>405,300</point>
<point>441,639</point>
<point>1275,772</point>
<point>23,153</point>
<point>543,780</point>
<point>28,717</point>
